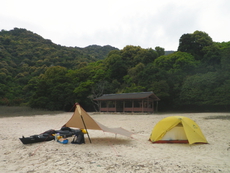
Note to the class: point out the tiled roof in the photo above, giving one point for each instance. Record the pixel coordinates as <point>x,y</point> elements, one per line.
<point>128,96</point>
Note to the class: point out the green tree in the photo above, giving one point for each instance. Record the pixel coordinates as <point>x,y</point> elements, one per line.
<point>222,96</point>
<point>90,82</point>
<point>55,88</point>
<point>116,67</point>
<point>162,90</point>
<point>178,66</point>
<point>128,55</point>
<point>225,61</point>
<point>198,89</point>
<point>133,88</point>
<point>147,56</point>
<point>149,75</point>
<point>160,51</point>
<point>195,43</point>
<point>178,62</point>
<point>134,72</point>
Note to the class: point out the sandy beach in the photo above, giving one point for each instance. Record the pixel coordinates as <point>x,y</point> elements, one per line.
<point>110,153</point>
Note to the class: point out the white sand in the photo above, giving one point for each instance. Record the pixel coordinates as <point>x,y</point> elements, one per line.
<point>113,154</point>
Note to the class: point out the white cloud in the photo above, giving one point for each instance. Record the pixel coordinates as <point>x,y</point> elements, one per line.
<point>147,23</point>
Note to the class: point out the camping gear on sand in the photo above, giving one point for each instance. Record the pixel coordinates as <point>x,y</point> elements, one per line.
<point>82,120</point>
<point>63,141</point>
<point>78,138</point>
<point>177,129</point>
<point>45,136</point>
<point>50,135</point>
<point>36,138</point>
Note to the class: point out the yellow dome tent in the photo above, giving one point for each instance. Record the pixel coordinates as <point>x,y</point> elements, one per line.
<point>177,129</point>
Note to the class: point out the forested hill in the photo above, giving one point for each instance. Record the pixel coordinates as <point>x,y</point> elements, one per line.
<point>24,55</point>
<point>36,72</point>
<point>20,46</point>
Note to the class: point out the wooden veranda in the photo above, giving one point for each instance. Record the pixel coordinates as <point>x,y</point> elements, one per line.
<point>128,102</point>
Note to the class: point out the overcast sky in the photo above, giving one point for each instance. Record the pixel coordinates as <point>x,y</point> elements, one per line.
<point>144,23</point>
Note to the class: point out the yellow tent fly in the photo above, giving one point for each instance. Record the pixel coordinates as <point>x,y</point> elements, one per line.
<point>177,129</point>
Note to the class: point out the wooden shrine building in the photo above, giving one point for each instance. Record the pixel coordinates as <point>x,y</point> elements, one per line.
<point>128,102</point>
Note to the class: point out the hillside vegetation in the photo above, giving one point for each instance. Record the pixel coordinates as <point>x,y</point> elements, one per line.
<point>25,55</point>
<point>36,72</point>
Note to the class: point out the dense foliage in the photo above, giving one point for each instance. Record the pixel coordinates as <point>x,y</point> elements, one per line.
<point>36,72</point>
<point>24,56</point>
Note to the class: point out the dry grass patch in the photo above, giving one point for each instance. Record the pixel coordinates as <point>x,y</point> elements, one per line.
<point>221,117</point>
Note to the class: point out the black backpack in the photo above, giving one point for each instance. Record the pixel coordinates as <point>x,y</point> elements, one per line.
<point>79,138</point>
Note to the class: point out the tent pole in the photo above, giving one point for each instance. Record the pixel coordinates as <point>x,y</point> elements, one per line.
<point>86,128</point>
